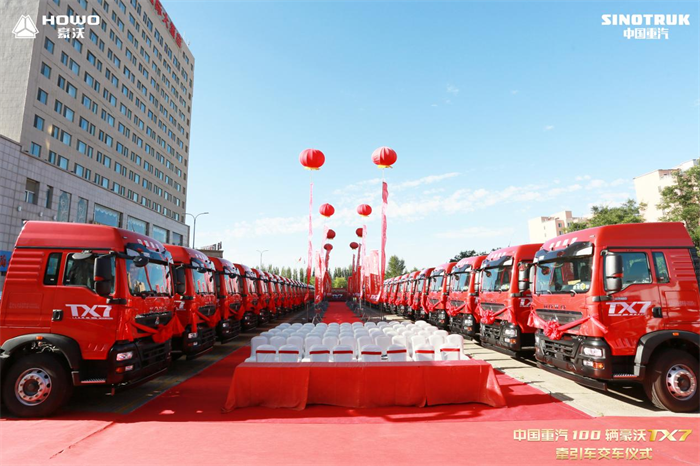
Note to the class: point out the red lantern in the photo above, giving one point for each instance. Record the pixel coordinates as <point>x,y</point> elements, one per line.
<point>358,232</point>
<point>327,247</point>
<point>312,159</point>
<point>364,210</point>
<point>354,245</point>
<point>326,210</point>
<point>330,234</point>
<point>384,157</point>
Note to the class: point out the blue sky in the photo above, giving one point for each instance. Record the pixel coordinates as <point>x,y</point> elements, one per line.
<point>499,112</point>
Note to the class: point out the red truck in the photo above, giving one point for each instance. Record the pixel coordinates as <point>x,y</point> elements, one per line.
<point>504,308</point>
<point>228,287</point>
<point>249,305</point>
<point>402,294</point>
<point>464,296</point>
<point>621,303</point>
<point>436,301</point>
<point>196,307</point>
<point>82,305</point>
<point>419,310</point>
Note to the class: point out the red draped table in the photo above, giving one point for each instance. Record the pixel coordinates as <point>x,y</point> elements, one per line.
<point>363,385</point>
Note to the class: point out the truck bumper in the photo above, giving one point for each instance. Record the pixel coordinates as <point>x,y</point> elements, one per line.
<point>193,344</point>
<point>147,360</point>
<point>585,360</point>
<point>250,321</point>
<point>442,319</point>
<point>228,329</point>
<point>506,338</point>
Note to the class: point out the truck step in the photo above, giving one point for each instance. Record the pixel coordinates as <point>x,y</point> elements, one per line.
<point>93,381</point>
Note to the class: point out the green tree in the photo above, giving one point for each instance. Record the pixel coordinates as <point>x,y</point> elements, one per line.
<point>629,212</point>
<point>340,282</point>
<point>395,267</point>
<point>470,253</point>
<point>681,202</point>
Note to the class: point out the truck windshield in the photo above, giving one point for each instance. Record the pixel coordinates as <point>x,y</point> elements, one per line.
<point>232,284</point>
<point>419,285</point>
<point>152,279</point>
<point>251,285</point>
<point>437,282</point>
<point>460,281</point>
<point>202,281</point>
<point>496,278</point>
<point>564,276</point>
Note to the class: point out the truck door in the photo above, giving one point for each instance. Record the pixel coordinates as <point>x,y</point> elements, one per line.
<point>630,312</point>
<point>675,274</point>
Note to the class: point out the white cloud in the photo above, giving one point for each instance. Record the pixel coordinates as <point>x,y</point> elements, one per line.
<point>514,91</point>
<point>433,105</point>
<point>451,89</point>
<point>583,177</point>
<point>548,128</point>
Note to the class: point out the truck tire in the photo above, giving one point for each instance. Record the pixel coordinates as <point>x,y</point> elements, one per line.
<point>36,386</point>
<point>672,381</point>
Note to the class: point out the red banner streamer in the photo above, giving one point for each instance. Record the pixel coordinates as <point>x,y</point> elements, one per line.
<point>382,251</point>
<point>311,235</point>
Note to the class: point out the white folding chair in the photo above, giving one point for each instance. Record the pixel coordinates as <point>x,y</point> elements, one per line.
<point>442,332</point>
<point>330,341</point>
<point>284,325</point>
<point>348,341</point>
<point>397,353</point>
<point>296,325</point>
<point>342,353</point>
<point>278,341</point>
<point>362,342</point>
<point>289,353</point>
<point>322,325</point>
<point>416,341</point>
<point>399,340</point>
<point>455,339</point>
<point>319,353</point>
<point>308,325</point>
<point>356,324</point>
<point>384,342</point>
<point>289,331</point>
<point>346,334</point>
<point>345,325</point>
<point>430,330</point>
<point>255,342</point>
<point>406,323</point>
<point>424,353</point>
<point>375,332</point>
<point>371,353</point>
<point>369,325</point>
<point>382,324</point>
<point>436,341</point>
<point>274,331</point>
<point>310,342</point>
<point>449,352</point>
<point>266,353</point>
<point>334,325</point>
<point>296,341</point>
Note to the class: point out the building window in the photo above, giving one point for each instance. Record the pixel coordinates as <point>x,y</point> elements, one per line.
<point>81,215</point>
<point>46,70</point>
<point>31,191</point>
<point>42,96</point>
<point>49,197</point>
<point>62,162</point>
<point>63,206</point>
<point>136,225</point>
<point>38,123</point>
<point>48,45</point>
<point>178,239</point>
<point>35,150</point>
<point>106,216</point>
<point>160,234</point>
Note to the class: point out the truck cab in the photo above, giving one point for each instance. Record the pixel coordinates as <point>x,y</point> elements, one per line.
<point>436,300</point>
<point>82,305</point>
<point>228,286</point>
<point>401,293</point>
<point>419,294</point>
<point>504,308</point>
<point>196,307</point>
<point>250,297</point>
<point>464,295</point>
<point>621,303</point>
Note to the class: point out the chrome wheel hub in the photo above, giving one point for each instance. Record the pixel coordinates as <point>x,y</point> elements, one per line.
<point>33,387</point>
<point>681,382</point>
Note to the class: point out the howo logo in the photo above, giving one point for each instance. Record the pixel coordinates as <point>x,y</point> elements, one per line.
<point>525,302</point>
<point>65,20</point>
<point>85,312</point>
<point>637,308</point>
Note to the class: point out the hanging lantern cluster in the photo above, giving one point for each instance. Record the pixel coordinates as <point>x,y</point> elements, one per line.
<point>312,159</point>
<point>326,210</point>
<point>384,157</point>
<point>364,210</point>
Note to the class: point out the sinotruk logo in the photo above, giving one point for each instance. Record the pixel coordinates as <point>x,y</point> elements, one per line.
<point>25,28</point>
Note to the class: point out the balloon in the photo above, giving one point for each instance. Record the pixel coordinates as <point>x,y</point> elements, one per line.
<point>330,234</point>
<point>384,157</point>
<point>354,245</point>
<point>358,232</point>
<point>312,159</point>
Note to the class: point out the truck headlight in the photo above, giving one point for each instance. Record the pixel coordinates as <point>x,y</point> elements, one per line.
<point>192,336</point>
<point>591,351</point>
<point>510,332</point>
<point>125,356</point>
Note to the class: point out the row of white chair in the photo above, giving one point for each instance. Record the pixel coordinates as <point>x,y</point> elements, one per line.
<point>344,353</point>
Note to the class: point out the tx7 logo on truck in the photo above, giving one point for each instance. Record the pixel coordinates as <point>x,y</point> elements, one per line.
<point>620,309</point>
<point>85,312</point>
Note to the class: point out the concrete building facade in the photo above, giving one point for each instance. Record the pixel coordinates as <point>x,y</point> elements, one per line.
<point>94,117</point>
<point>648,188</point>
<point>542,229</point>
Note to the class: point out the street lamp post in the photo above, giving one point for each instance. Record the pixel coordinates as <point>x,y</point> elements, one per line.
<point>194,227</point>
<point>261,254</point>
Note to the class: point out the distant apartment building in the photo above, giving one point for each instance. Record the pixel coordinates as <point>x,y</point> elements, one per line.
<point>545,228</point>
<point>95,116</point>
<point>649,186</point>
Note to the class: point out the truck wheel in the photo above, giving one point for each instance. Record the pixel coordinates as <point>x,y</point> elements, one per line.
<point>672,382</point>
<point>36,386</point>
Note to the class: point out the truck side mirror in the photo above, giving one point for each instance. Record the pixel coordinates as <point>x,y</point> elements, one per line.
<point>523,278</point>
<point>180,280</point>
<point>613,272</point>
<point>103,276</point>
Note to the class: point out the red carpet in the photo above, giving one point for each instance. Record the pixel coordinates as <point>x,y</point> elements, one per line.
<point>339,312</point>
